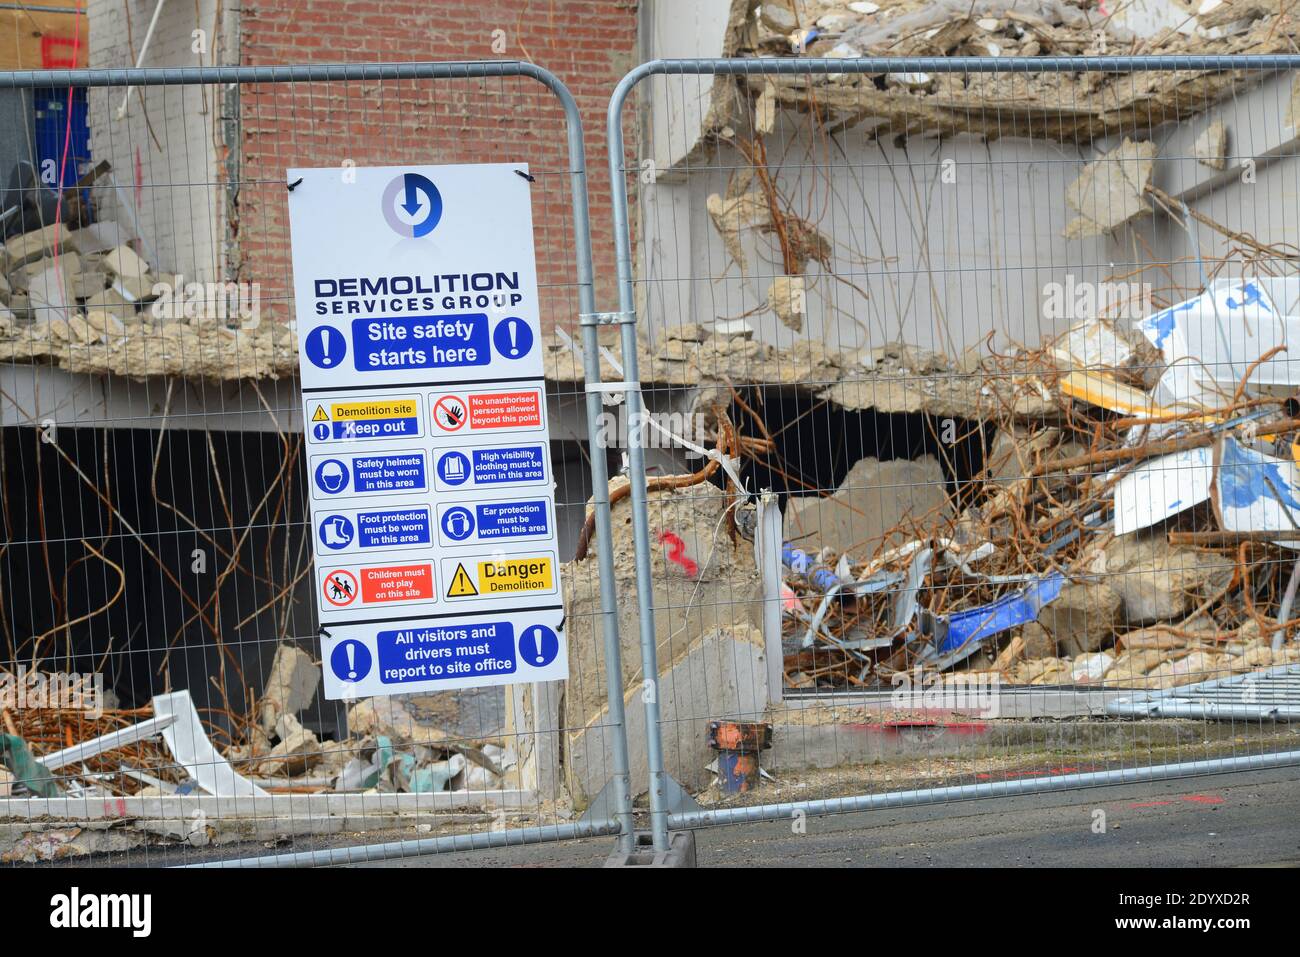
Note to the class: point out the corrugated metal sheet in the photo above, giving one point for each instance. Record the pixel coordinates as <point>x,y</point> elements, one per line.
<point>1273,694</point>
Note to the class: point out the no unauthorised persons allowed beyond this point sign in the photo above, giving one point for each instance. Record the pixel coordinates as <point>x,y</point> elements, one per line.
<point>424,410</point>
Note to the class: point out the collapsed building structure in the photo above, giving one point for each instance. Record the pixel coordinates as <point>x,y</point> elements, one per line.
<point>854,292</point>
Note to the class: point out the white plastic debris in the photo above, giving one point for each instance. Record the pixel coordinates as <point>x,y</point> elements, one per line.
<point>1162,487</point>
<point>1211,342</point>
<point>1093,667</point>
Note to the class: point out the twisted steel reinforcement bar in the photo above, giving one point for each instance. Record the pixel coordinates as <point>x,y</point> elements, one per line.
<point>661,819</point>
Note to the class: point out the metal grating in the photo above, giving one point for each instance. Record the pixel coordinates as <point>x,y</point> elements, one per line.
<point>1274,694</point>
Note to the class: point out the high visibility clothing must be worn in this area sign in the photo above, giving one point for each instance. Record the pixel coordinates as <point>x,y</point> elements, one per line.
<point>424,409</point>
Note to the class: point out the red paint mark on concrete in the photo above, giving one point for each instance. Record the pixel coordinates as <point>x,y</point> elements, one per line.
<point>677,553</point>
<point>1186,799</point>
<point>956,727</point>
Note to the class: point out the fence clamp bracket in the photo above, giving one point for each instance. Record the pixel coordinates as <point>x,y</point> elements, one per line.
<point>606,318</point>
<point>613,386</point>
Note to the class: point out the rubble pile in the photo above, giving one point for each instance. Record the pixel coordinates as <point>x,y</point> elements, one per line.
<point>1141,530</point>
<point>81,747</point>
<point>1063,106</point>
<point>85,300</point>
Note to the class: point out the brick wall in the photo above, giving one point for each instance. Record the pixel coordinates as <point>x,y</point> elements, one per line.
<point>589,44</point>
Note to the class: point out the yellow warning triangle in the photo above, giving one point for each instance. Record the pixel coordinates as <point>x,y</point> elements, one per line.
<point>320,415</point>
<point>461,584</point>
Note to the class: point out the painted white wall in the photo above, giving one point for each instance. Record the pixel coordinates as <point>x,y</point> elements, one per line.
<point>165,150</point>
<point>917,258</point>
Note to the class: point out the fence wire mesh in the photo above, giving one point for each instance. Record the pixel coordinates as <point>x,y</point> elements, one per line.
<point>971,424</point>
<point>160,662</point>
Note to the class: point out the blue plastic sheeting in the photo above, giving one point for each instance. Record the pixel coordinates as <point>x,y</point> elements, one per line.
<point>955,631</point>
<point>801,563</point>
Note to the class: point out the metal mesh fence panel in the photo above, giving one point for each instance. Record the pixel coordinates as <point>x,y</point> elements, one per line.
<point>161,661</point>
<point>967,424</point>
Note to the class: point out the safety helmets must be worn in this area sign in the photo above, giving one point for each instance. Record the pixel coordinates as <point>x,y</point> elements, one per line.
<point>424,410</point>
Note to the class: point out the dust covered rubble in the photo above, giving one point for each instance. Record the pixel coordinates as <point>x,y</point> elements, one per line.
<point>1065,106</point>
<point>84,300</point>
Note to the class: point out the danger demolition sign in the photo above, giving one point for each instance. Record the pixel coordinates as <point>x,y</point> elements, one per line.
<point>432,497</point>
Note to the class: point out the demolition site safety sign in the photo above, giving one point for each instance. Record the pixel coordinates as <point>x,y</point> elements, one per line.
<point>424,408</point>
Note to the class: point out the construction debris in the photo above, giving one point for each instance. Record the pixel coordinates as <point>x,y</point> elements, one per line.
<point>1110,191</point>
<point>85,300</point>
<point>1065,558</point>
<point>1211,147</point>
<point>1070,107</point>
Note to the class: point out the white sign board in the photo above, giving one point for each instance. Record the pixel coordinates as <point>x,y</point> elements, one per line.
<point>432,496</point>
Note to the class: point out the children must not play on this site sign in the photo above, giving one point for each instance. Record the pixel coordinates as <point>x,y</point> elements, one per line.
<point>424,408</point>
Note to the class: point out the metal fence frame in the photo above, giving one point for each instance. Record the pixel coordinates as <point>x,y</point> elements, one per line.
<point>619,819</point>
<point>662,816</point>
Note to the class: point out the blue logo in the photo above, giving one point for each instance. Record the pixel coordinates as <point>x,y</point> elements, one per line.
<point>350,660</point>
<point>325,347</point>
<point>331,476</point>
<point>538,646</point>
<point>336,532</point>
<point>513,338</point>
<point>453,468</point>
<point>321,430</point>
<point>419,199</point>
<point>458,523</point>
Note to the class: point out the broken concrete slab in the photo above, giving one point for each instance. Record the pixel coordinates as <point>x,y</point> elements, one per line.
<point>50,294</point>
<point>112,301</point>
<point>1111,190</point>
<point>125,263</point>
<point>133,289</point>
<point>69,262</point>
<point>874,497</point>
<point>290,687</point>
<point>297,751</point>
<point>1211,147</point>
<point>96,238</point>
<point>787,297</point>
<point>105,323</point>
<point>733,214</point>
<point>88,283</point>
<point>1082,620</point>
<point>32,245</point>
<point>1158,581</point>
<point>390,717</point>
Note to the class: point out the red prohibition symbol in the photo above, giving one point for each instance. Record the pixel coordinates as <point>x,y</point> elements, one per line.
<point>340,588</point>
<point>450,413</point>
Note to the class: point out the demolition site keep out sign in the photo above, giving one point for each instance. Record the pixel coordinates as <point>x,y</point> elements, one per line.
<point>432,497</point>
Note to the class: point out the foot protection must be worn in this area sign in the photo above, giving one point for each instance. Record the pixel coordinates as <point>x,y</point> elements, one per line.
<point>424,408</point>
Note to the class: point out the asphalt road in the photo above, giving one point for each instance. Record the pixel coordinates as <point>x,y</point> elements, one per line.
<point>1223,821</point>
